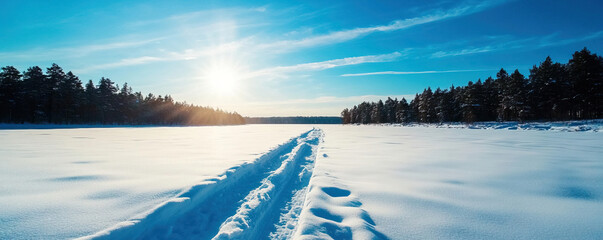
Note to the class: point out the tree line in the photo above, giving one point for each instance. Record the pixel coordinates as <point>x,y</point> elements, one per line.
<point>60,98</point>
<point>552,91</point>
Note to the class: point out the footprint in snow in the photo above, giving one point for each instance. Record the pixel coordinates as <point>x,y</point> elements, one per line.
<point>336,192</point>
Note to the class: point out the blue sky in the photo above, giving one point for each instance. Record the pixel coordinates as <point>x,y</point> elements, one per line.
<point>264,58</point>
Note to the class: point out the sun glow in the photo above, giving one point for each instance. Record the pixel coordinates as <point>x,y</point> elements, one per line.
<point>222,78</point>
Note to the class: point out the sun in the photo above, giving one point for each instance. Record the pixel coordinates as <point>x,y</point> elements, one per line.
<point>222,78</point>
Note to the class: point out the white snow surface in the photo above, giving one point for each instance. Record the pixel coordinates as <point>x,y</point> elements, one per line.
<point>300,182</point>
<point>374,182</point>
<point>67,183</point>
<point>594,125</point>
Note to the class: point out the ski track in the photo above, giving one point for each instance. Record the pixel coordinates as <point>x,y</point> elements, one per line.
<point>257,200</point>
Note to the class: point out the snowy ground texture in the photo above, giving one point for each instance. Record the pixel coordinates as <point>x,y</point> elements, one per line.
<point>565,126</point>
<point>303,182</point>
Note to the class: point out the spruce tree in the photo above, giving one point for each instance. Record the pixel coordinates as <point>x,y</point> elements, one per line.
<point>10,92</point>
<point>586,77</point>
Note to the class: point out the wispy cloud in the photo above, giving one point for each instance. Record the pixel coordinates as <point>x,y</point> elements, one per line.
<point>249,46</point>
<point>409,73</point>
<point>121,63</point>
<point>166,56</point>
<point>280,71</point>
<point>525,43</point>
<point>195,16</point>
<point>552,41</point>
<point>350,34</point>
<point>440,54</point>
<point>74,52</point>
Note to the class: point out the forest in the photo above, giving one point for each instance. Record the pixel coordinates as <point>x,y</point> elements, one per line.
<point>552,92</point>
<point>57,97</point>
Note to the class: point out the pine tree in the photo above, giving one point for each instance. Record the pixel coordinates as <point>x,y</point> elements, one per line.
<point>469,103</point>
<point>504,96</point>
<point>10,89</point>
<point>56,97</point>
<point>445,106</point>
<point>35,95</point>
<point>517,85</point>
<point>586,77</point>
<point>426,107</point>
<point>403,112</point>
<point>54,76</point>
<point>345,116</point>
<point>71,95</point>
<point>390,110</point>
<point>553,91</point>
<point>108,107</point>
<point>378,112</point>
<point>490,100</point>
<point>91,103</point>
<point>547,97</point>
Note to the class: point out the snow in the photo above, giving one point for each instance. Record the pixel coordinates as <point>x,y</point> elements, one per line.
<point>66,183</point>
<point>595,125</point>
<point>481,181</point>
<point>439,183</point>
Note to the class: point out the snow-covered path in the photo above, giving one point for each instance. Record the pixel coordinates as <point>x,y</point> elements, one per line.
<point>242,203</point>
<point>67,183</point>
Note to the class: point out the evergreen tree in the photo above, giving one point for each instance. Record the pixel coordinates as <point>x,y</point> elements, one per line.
<point>403,112</point>
<point>70,98</point>
<point>426,107</point>
<point>378,112</point>
<point>469,103</point>
<point>517,84</point>
<point>54,76</point>
<point>546,85</point>
<point>345,116</point>
<point>445,106</point>
<point>586,77</point>
<point>489,100</point>
<point>108,106</point>
<point>56,97</point>
<point>553,91</point>
<point>10,88</point>
<point>390,110</point>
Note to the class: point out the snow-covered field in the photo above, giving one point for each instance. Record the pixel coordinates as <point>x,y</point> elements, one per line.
<point>66,183</point>
<point>301,182</point>
<point>438,183</point>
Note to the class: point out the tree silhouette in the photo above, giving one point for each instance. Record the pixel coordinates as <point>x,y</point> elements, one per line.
<point>58,97</point>
<point>553,91</point>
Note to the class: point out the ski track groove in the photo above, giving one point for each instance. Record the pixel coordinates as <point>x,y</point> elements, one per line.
<point>257,200</point>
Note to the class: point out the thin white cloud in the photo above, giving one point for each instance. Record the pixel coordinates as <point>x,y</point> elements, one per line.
<point>190,54</point>
<point>408,73</point>
<point>121,63</point>
<point>550,41</point>
<point>281,71</point>
<point>71,52</point>
<point>187,54</point>
<point>194,16</point>
<point>346,35</point>
<point>340,62</point>
<point>440,54</point>
<point>526,43</point>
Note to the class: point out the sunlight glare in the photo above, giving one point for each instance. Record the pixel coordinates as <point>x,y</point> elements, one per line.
<point>222,78</point>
